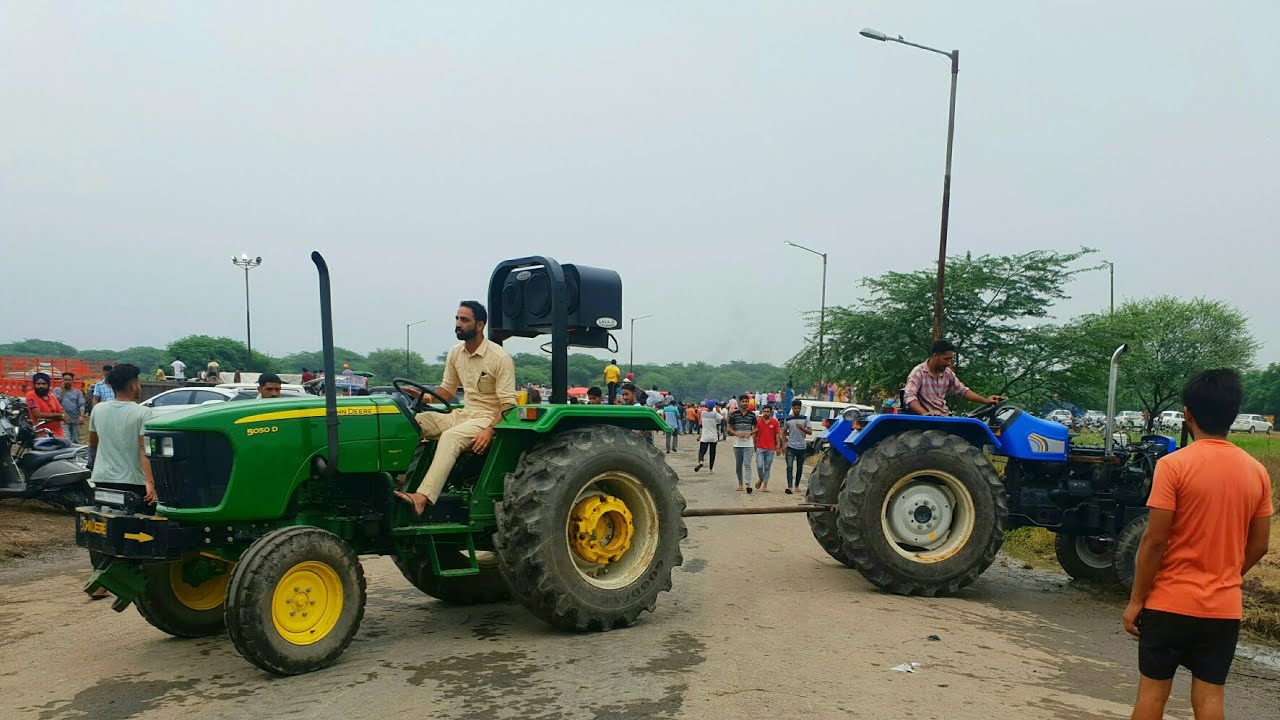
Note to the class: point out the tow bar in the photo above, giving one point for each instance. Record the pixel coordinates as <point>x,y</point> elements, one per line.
<point>718,512</point>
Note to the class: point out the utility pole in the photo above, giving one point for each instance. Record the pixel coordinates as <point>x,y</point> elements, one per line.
<point>954,55</point>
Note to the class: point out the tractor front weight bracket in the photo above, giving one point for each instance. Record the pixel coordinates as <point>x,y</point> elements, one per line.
<point>123,579</point>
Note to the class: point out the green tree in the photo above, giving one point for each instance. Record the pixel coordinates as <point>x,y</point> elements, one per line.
<point>387,364</point>
<point>196,350</point>
<point>314,359</point>
<point>1262,391</point>
<point>1169,339</point>
<point>995,311</point>
<point>34,347</point>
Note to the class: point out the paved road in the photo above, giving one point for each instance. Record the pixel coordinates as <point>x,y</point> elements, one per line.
<point>760,624</point>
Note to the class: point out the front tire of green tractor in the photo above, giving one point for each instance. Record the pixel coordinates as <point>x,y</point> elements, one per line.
<point>487,587</point>
<point>296,600</point>
<point>589,528</point>
<point>1091,559</point>
<point>922,513</point>
<point>825,484</point>
<point>1127,549</point>
<point>174,606</point>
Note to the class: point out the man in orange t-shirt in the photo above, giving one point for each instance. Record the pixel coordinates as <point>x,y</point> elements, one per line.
<point>1209,523</point>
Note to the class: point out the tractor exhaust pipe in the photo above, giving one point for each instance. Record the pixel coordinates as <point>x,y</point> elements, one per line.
<point>1109,442</point>
<point>326,343</point>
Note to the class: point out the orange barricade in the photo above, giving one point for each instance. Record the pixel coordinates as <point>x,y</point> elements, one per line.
<point>16,372</point>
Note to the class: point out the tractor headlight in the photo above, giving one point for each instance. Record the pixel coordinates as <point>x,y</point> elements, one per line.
<point>149,447</point>
<point>166,447</point>
<point>851,414</point>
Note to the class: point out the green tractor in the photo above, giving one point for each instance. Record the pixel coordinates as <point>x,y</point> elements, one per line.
<point>266,506</point>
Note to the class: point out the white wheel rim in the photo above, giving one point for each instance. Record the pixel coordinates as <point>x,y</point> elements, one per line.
<point>1088,550</point>
<point>644,541</point>
<point>927,516</point>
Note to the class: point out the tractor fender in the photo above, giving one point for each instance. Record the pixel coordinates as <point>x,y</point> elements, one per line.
<point>850,444</point>
<point>552,418</point>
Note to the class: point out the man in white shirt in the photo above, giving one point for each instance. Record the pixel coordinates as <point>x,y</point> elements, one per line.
<point>179,369</point>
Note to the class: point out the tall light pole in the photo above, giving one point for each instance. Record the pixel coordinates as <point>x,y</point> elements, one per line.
<point>631,365</point>
<point>946,182</point>
<point>822,312</point>
<point>406,346</point>
<point>247,263</point>
<point>1112,266</point>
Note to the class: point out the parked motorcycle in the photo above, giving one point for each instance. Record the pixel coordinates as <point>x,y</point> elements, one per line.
<point>40,468</point>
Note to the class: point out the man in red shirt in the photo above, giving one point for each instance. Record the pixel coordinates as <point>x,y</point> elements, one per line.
<point>1210,517</point>
<point>43,405</point>
<point>768,434</point>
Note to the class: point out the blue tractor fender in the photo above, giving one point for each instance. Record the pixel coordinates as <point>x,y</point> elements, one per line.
<point>850,444</point>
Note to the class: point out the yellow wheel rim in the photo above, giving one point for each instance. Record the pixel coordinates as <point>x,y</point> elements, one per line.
<point>207,595</point>
<point>306,603</point>
<point>600,529</point>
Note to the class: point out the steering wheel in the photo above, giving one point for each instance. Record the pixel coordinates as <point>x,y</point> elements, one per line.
<point>416,405</point>
<point>987,412</point>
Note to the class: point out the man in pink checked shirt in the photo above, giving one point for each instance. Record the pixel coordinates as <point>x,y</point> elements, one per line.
<point>933,380</point>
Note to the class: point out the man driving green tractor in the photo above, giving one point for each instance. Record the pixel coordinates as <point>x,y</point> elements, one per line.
<point>485,372</point>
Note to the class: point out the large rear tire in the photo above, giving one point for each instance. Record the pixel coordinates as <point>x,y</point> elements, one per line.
<point>589,528</point>
<point>174,606</point>
<point>922,513</point>
<point>1127,549</point>
<point>1092,559</point>
<point>487,587</point>
<point>825,483</point>
<point>296,600</point>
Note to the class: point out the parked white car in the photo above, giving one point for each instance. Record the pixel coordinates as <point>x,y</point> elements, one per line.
<point>1129,419</point>
<point>1251,424</point>
<point>186,398</point>
<point>822,414</point>
<point>1170,420</point>
<point>1061,416</point>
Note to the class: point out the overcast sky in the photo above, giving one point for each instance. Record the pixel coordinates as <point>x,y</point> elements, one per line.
<point>417,144</point>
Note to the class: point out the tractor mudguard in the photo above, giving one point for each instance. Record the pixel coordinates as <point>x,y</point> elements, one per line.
<point>972,430</point>
<point>548,418</point>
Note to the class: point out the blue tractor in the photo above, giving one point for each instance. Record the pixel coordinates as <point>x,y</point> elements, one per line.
<point>921,508</point>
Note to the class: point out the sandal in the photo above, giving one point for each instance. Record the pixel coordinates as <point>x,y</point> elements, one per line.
<point>411,498</point>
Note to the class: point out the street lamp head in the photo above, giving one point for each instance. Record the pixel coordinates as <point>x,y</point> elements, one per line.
<point>257,260</point>
<point>873,34</point>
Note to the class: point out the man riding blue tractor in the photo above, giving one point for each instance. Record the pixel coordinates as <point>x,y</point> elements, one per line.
<point>921,508</point>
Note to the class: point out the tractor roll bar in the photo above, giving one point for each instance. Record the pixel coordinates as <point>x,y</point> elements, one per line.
<point>326,343</point>
<point>1109,441</point>
<point>559,318</point>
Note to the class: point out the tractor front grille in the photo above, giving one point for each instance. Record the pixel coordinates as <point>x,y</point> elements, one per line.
<point>197,474</point>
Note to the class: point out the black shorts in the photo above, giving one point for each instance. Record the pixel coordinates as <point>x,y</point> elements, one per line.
<point>1205,646</point>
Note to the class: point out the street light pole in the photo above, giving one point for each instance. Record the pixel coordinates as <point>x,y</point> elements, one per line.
<point>406,346</point>
<point>946,181</point>
<point>1112,267</point>
<point>631,364</point>
<point>822,312</point>
<point>247,264</point>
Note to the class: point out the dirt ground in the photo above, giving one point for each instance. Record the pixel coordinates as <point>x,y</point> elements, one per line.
<point>28,527</point>
<point>761,623</point>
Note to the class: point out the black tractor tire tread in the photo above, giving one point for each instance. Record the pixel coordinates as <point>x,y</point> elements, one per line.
<point>825,483</point>
<point>1064,547</point>
<point>853,498</point>
<point>248,628</point>
<point>158,606</point>
<point>486,588</point>
<point>1127,549</point>
<point>523,540</point>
